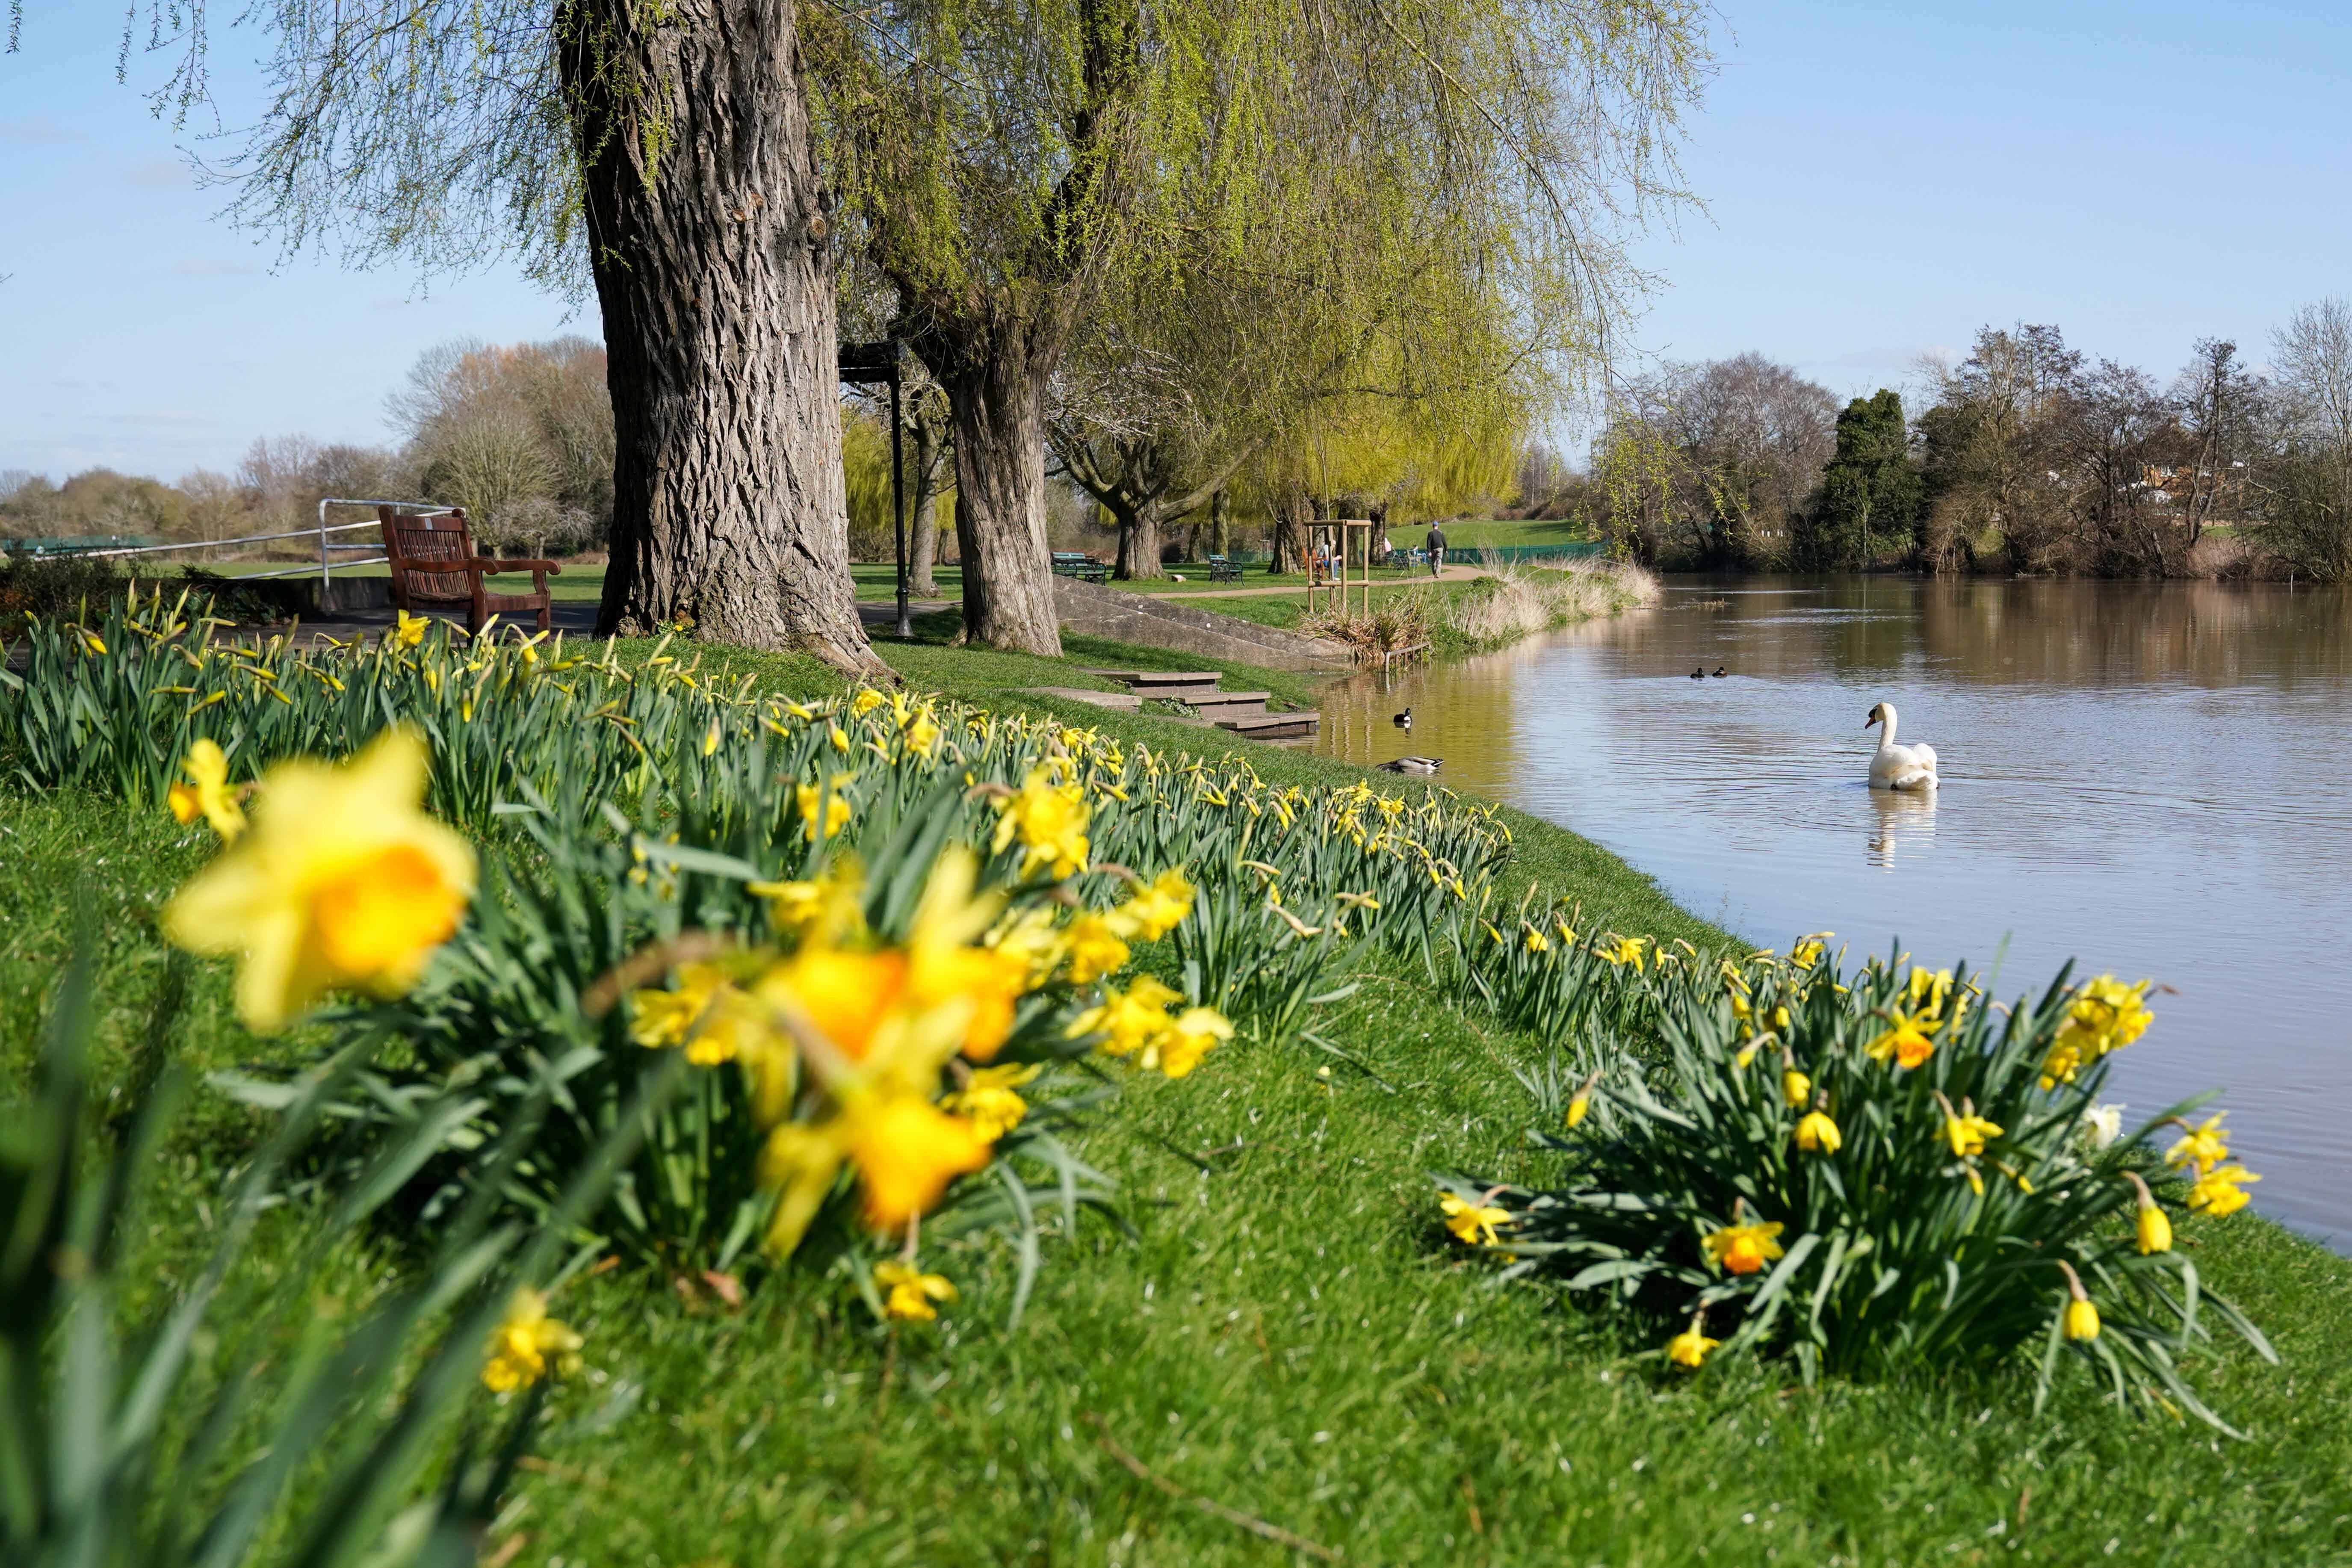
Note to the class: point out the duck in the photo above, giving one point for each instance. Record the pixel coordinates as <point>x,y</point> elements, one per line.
<point>1423,766</point>
<point>1699,674</point>
<point>1898,767</point>
<point>1403,721</point>
<point>1720,672</point>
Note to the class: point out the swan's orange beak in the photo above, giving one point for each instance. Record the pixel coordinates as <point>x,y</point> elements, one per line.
<point>1866,723</point>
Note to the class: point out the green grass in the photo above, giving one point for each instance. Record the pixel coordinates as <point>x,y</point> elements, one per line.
<point>1287,1333</point>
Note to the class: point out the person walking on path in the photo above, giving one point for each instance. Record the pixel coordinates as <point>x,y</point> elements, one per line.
<point>1436,550</point>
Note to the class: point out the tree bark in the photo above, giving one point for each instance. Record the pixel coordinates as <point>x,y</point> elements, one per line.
<point>1220,524</point>
<point>713,271</point>
<point>928,439</point>
<point>1291,534</point>
<point>996,402</point>
<point>1138,542</point>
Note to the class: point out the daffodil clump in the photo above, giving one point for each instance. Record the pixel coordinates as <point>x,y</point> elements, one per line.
<point>1872,1169</point>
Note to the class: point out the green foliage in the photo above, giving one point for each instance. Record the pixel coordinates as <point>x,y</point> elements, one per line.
<point>1872,496</point>
<point>1934,1225</point>
<point>55,585</point>
<point>184,1437</point>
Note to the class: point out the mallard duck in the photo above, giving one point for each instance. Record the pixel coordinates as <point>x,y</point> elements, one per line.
<point>1424,767</point>
<point>1898,767</point>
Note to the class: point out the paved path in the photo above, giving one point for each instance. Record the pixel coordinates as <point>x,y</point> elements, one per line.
<point>1402,580</point>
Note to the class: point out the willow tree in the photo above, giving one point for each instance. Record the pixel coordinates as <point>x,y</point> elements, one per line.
<point>1002,163</point>
<point>662,151</point>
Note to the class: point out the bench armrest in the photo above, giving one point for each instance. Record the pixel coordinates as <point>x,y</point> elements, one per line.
<point>479,563</point>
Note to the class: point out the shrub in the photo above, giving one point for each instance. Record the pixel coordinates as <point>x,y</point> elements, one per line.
<point>1869,1175</point>
<point>55,585</point>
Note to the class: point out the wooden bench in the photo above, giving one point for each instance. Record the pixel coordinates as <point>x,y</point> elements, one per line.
<point>432,563</point>
<point>1223,571</point>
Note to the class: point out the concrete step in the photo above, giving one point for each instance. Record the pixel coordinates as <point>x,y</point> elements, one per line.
<point>1274,726</point>
<point>1230,704</point>
<point>1176,685</point>
<point>1125,701</point>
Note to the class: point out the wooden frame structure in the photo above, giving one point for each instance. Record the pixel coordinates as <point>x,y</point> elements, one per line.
<point>1341,535</point>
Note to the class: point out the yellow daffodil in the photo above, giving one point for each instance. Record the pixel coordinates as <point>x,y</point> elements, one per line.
<point>409,631</point>
<point>206,794</point>
<point>1158,907</point>
<point>1905,1039</point>
<point>865,701</point>
<point>2105,1015</point>
<point>1579,1104</point>
<point>825,909</point>
<point>2205,1147</point>
<point>1189,1035</point>
<point>344,882</point>
<point>1796,1088</point>
<point>989,1101</point>
<point>1129,1020</point>
<point>1690,1348</point>
<point>1808,951</point>
<point>835,804</point>
<point>1050,821</point>
<point>907,1150</point>
<point>910,1291</point>
<point>2155,1230</point>
<point>705,1013</point>
<point>1621,951</point>
<point>1744,1248</point>
<point>1536,942</point>
<point>2216,1193</point>
<point>1471,1223</point>
<point>2082,1321</point>
<point>527,1343</point>
<point>1817,1134</point>
<point>1968,1133</point>
<point>1094,949</point>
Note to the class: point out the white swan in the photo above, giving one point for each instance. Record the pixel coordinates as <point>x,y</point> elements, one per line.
<point>1898,767</point>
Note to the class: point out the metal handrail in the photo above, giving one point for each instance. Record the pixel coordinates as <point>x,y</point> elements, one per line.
<point>320,533</point>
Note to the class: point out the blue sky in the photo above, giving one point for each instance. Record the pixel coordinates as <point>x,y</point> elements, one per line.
<point>1879,180</point>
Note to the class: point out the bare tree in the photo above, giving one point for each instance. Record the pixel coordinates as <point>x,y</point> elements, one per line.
<point>2220,403</point>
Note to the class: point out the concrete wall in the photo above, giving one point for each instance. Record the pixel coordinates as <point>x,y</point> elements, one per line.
<point>1096,611</point>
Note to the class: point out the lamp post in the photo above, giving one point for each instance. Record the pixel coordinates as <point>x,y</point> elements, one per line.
<point>866,364</point>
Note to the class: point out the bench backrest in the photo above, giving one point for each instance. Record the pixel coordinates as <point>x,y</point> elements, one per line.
<point>413,543</point>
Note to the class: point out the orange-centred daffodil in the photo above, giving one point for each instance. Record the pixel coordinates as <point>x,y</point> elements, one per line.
<point>1740,1248</point>
<point>911,1292</point>
<point>343,882</point>
<point>1905,1039</point>
<point>1473,1225</point>
<point>526,1343</point>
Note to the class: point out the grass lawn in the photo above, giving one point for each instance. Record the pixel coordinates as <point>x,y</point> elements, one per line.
<point>1287,1335</point>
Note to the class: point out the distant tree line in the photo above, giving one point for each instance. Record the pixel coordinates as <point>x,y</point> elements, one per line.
<point>2031,457</point>
<point>521,436</point>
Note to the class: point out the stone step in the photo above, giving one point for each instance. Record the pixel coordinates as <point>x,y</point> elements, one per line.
<point>1274,726</point>
<point>1176,685</point>
<point>1230,704</point>
<point>1126,701</point>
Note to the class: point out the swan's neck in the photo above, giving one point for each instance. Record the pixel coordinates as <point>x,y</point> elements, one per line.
<point>1886,731</point>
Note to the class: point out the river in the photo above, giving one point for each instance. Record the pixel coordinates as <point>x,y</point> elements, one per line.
<point>2149,777</point>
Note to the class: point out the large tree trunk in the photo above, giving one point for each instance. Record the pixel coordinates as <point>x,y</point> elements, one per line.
<point>709,249</point>
<point>1290,515</point>
<point>1220,524</point>
<point>996,397</point>
<point>1138,542</point>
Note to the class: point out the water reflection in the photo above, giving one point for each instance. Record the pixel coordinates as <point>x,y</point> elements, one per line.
<point>1905,822</point>
<point>2147,776</point>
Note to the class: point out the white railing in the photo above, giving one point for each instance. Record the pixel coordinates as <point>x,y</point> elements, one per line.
<point>325,548</point>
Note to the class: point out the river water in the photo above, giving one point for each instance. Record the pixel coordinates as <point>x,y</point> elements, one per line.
<point>2151,778</point>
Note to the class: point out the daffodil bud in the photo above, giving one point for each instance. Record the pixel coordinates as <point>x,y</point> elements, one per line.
<point>2082,1321</point>
<point>1577,1106</point>
<point>1796,1088</point>
<point>2155,1230</point>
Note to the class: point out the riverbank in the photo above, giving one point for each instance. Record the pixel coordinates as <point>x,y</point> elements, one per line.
<point>1287,1337</point>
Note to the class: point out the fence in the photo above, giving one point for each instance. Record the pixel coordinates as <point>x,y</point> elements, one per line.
<point>105,549</point>
<point>86,544</point>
